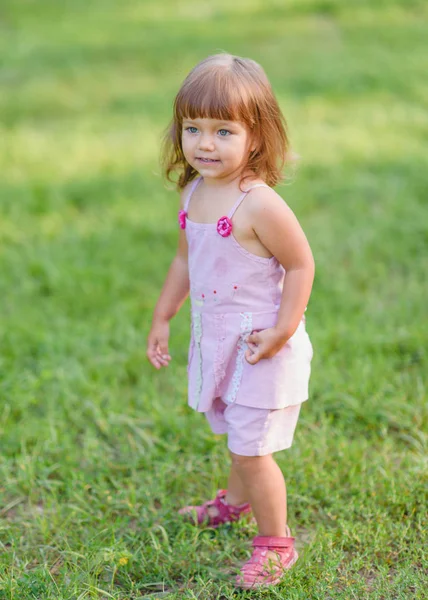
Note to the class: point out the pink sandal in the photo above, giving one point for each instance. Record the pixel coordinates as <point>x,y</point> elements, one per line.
<point>226,513</point>
<point>263,570</point>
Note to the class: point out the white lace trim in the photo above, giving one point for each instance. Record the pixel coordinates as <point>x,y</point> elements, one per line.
<point>246,328</point>
<point>197,332</point>
<point>219,370</point>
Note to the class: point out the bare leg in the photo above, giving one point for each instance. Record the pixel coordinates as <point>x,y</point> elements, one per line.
<point>264,486</point>
<point>236,492</point>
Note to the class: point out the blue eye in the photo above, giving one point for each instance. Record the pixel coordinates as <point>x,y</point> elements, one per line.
<point>189,128</point>
<point>225,131</point>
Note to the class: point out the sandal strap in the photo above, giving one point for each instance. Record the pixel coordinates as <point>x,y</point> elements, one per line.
<point>226,512</point>
<point>269,541</point>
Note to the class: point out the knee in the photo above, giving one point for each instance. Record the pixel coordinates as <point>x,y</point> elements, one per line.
<point>244,463</point>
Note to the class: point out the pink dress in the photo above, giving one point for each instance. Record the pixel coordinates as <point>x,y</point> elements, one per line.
<point>232,293</point>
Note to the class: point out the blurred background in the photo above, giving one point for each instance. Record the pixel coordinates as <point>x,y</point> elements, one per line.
<point>98,450</point>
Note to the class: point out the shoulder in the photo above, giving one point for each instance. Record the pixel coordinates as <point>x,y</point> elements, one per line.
<point>278,228</point>
<point>265,202</point>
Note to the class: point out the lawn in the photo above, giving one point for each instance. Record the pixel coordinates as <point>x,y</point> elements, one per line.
<point>98,449</point>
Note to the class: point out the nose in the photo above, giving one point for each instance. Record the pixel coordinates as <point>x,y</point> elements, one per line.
<point>206,142</point>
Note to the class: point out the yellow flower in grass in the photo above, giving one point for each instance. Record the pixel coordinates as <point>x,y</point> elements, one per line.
<point>123,561</point>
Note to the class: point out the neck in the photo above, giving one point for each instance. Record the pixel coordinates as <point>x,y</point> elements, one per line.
<point>231,181</point>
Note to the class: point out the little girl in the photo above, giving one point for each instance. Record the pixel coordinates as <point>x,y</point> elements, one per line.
<point>249,269</point>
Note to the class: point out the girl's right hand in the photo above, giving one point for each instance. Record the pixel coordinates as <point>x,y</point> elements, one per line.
<point>157,344</point>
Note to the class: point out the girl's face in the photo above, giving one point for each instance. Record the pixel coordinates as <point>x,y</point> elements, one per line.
<point>216,149</point>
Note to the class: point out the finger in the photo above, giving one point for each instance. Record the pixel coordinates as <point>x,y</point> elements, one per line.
<point>252,358</point>
<point>163,352</point>
<point>163,349</point>
<point>163,360</point>
<point>153,358</point>
<point>253,338</point>
<point>252,347</point>
<point>155,362</point>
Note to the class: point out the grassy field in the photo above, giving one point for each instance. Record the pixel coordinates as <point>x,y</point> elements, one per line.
<point>98,450</point>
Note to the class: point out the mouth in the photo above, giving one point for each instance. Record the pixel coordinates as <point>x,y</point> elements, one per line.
<point>207,161</point>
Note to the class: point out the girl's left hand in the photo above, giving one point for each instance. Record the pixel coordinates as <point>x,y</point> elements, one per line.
<point>263,344</point>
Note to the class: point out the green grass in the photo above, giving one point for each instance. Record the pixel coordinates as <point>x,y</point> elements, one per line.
<point>98,450</point>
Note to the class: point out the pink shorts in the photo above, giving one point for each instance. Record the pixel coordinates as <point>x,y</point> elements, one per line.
<point>254,431</point>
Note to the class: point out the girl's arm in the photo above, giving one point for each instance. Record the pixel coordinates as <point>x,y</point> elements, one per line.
<point>176,287</point>
<point>174,292</point>
<point>280,232</point>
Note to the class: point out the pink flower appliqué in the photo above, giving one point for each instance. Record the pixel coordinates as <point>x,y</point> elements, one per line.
<point>182,218</point>
<point>224,226</point>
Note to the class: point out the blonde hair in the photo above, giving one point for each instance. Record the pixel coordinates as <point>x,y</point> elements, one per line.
<point>229,88</point>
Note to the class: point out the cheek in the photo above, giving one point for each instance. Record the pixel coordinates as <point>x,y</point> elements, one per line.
<point>238,151</point>
<point>186,145</point>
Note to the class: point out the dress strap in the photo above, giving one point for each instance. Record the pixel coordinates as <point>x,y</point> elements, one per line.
<point>192,189</point>
<point>238,202</point>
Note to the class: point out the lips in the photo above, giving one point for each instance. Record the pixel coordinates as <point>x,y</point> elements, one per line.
<point>207,160</point>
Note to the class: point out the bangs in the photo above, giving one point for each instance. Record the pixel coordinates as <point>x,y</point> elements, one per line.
<point>214,94</point>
